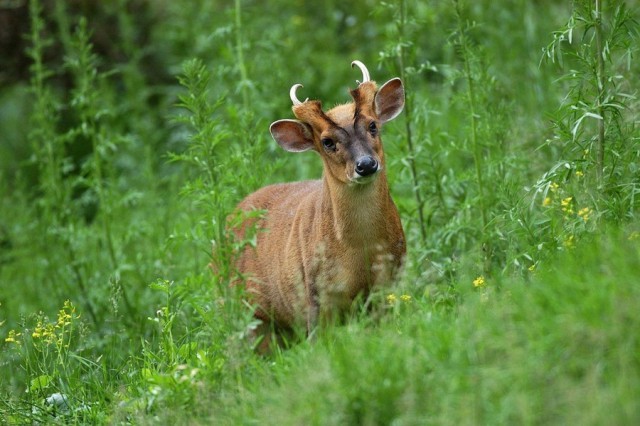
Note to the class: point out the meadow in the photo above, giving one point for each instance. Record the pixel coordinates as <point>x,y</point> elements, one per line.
<point>129,131</point>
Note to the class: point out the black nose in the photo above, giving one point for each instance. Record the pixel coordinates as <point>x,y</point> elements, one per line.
<point>366,165</point>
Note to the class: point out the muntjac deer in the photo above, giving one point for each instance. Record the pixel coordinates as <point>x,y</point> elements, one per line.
<point>323,243</point>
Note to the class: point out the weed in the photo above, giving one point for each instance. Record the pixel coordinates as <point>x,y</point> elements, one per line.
<point>122,161</point>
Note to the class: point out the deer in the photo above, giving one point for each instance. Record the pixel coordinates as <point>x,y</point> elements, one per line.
<point>322,244</point>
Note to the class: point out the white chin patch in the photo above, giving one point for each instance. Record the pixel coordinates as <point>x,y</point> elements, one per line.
<point>363,180</point>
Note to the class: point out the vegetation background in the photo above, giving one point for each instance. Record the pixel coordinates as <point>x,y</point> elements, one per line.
<point>130,129</point>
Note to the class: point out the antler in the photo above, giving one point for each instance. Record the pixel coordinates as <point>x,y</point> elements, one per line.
<point>365,71</point>
<point>292,95</point>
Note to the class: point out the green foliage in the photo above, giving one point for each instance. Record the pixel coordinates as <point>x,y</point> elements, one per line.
<point>558,348</point>
<point>592,120</point>
<point>593,178</point>
<point>140,126</point>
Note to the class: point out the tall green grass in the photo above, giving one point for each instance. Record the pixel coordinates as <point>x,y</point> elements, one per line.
<point>514,170</point>
<point>561,347</point>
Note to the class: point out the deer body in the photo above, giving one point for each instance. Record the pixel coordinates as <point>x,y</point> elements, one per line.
<point>323,243</point>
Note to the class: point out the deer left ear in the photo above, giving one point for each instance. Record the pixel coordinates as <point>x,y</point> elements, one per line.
<point>292,135</point>
<point>389,100</point>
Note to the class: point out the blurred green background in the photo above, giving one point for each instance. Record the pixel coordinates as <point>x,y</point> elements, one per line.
<point>130,129</point>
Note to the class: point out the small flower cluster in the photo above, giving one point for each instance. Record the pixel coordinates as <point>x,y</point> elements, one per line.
<point>46,331</point>
<point>479,282</point>
<point>584,214</point>
<point>569,218</point>
<point>553,187</point>
<point>392,298</point>
<point>66,314</point>
<point>567,204</point>
<point>13,337</point>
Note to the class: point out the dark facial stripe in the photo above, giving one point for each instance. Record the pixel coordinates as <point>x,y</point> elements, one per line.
<point>355,94</point>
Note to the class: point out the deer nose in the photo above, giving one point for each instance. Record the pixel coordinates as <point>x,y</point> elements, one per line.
<point>366,165</point>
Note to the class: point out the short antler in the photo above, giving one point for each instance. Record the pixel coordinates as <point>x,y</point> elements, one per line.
<point>292,95</point>
<point>365,71</point>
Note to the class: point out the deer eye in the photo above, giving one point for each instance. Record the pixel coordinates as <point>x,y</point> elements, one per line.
<point>328,144</point>
<point>373,128</point>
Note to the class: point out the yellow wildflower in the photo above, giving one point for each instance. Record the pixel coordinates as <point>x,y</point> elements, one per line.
<point>391,299</point>
<point>566,205</point>
<point>65,315</point>
<point>584,213</point>
<point>13,337</point>
<point>37,332</point>
<point>44,331</point>
<point>405,298</point>
<point>569,242</point>
<point>479,282</point>
<point>532,267</point>
<point>579,173</point>
<point>546,202</point>
<point>553,186</point>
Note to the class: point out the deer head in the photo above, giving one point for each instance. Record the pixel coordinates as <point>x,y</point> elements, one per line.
<point>347,137</point>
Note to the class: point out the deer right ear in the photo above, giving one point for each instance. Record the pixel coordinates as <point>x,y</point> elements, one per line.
<point>292,135</point>
<point>389,100</point>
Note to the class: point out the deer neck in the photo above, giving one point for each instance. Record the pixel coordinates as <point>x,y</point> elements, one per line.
<point>354,215</point>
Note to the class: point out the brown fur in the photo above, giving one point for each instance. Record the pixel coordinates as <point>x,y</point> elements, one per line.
<point>323,243</point>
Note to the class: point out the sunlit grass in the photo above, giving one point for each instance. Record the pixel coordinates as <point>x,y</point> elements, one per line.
<point>137,129</point>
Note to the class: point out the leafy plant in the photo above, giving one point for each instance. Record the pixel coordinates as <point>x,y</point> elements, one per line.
<point>593,125</point>
<point>122,161</point>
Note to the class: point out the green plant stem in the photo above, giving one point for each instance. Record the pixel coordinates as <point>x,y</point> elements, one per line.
<point>44,139</point>
<point>81,283</point>
<point>477,149</point>
<point>600,80</point>
<point>477,154</point>
<point>240,56</point>
<point>408,110</point>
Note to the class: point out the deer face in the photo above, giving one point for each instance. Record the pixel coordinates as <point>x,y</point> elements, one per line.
<point>348,136</point>
<point>351,147</point>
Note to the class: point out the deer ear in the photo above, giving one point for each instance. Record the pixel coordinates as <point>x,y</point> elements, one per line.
<point>389,100</point>
<point>292,135</point>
